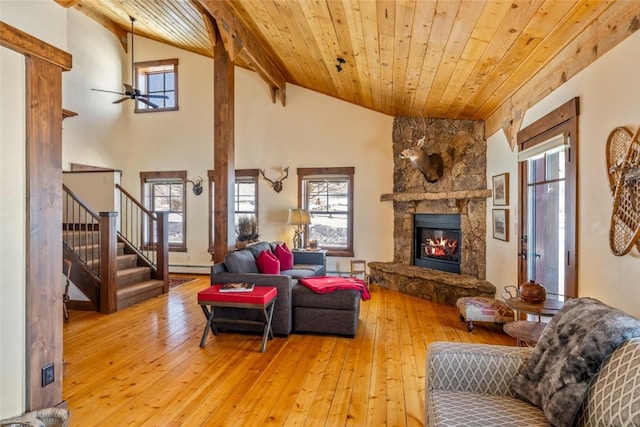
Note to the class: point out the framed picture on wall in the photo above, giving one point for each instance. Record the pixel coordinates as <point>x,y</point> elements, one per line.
<point>501,190</point>
<point>501,224</point>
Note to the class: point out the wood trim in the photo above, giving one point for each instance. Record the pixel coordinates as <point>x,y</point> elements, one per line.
<point>345,171</point>
<point>82,168</point>
<point>545,124</point>
<point>21,42</point>
<point>563,120</point>
<point>43,230</point>
<point>144,179</point>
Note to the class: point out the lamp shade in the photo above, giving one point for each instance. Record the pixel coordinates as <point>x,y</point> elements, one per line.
<point>299,217</point>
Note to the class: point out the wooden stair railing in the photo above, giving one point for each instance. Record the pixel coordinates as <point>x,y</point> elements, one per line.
<point>81,244</point>
<point>146,233</point>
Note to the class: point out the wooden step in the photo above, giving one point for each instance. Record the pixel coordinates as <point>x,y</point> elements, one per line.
<point>91,252</point>
<point>123,262</point>
<point>130,276</point>
<point>139,292</point>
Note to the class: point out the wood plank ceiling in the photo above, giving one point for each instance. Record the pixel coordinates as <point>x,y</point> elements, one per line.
<point>444,59</point>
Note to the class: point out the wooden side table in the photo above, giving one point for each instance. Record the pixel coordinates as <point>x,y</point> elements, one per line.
<point>262,298</point>
<point>525,331</point>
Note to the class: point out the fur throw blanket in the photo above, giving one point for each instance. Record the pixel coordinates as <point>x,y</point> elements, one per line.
<point>569,354</point>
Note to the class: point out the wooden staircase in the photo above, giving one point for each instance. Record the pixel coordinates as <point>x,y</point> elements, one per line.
<point>134,280</point>
<point>118,259</point>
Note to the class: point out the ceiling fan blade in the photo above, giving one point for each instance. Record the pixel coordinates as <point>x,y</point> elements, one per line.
<point>153,96</point>
<point>121,100</point>
<point>149,103</point>
<point>129,90</point>
<point>109,91</point>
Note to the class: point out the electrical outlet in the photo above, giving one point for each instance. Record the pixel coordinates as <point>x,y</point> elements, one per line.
<point>47,374</point>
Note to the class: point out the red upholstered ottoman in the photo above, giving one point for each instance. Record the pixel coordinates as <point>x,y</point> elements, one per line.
<point>261,298</point>
<point>481,309</point>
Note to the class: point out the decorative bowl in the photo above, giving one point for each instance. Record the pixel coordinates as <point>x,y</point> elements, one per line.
<point>532,291</point>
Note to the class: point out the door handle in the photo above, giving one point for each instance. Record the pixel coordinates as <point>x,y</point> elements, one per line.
<point>523,254</point>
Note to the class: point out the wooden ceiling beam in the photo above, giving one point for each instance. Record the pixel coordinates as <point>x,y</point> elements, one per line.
<point>209,24</point>
<point>617,23</point>
<point>67,3</point>
<point>239,42</point>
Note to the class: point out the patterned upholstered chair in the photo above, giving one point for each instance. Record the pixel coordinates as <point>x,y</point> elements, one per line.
<point>470,385</point>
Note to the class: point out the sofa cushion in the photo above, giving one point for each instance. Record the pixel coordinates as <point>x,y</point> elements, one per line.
<point>285,256</point>
<point>240,262</point>
<point>338,300</point>
<point>297,273</point>
<point>614,396</point>
<point>456,409</point>
<point>268,263</point>
<point>256,248</point>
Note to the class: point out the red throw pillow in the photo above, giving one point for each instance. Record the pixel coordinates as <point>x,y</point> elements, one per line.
<point>285,256</point>
<point>268,263</point>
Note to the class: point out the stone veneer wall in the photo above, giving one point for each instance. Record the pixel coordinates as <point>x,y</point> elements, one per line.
<point>463,148</point>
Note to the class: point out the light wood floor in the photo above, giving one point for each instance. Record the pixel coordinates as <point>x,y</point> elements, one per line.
<point>143,366</point>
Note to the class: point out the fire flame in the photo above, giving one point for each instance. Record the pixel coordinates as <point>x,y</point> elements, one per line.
<point>439,246</point>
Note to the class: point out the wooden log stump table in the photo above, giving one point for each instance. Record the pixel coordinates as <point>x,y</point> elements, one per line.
<point>261,298</point>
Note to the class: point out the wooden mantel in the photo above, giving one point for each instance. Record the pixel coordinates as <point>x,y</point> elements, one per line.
<point>416,197</point>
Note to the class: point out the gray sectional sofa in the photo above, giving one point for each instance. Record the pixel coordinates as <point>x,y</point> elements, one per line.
<point>297,307</point>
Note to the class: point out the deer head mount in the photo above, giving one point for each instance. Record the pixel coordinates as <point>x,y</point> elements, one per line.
<point>430,165</point>
<point>277,184</point>
<point>197,186</point>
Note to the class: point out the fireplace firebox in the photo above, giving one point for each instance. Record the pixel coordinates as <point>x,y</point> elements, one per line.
<point>437,242</point>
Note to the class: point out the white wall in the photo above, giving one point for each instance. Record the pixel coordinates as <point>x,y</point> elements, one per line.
<point>609,90</point>
<point>47,21</point>
<point>94,135</point>
<point>311,131</point>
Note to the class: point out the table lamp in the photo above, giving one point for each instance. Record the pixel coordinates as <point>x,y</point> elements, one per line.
<point>298,218</point>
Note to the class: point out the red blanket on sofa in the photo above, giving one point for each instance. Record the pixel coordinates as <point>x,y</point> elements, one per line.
<point>326,284</point>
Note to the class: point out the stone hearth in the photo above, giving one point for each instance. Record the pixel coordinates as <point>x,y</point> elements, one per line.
<point>462,190</point>
<point>437,286</point>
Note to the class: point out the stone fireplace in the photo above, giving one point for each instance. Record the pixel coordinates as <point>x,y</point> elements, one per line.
<point>460,193</point>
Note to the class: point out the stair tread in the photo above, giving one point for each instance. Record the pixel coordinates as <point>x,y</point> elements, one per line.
<point>135,288</point>
<point>132,271</point>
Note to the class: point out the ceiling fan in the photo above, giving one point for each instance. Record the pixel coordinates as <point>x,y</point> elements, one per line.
<point>130,92</point>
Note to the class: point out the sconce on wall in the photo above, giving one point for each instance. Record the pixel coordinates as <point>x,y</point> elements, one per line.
<point>197,186</point>
<point>277,185</point>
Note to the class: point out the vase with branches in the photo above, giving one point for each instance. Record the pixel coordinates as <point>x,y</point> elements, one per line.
<point>247,229</point>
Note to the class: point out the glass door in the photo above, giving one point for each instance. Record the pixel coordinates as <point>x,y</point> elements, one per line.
<point>544,234</point>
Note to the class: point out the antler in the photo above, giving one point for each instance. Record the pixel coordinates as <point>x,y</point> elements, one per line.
<point>265,177</point>
<point>277,185</point>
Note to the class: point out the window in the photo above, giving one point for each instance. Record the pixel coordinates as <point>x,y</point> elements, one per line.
<point>159,80</point>
<point>328,195</point>
<point>245,198</point>
<point>164,191</point>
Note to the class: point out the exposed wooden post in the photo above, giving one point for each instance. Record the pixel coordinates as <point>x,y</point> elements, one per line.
<point>162,248</point>
<point>43,275</point>
<point>108,262</point>
<point>223,152</point>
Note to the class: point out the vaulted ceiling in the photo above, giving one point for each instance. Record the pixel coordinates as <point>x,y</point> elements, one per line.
<point>468,59</point>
